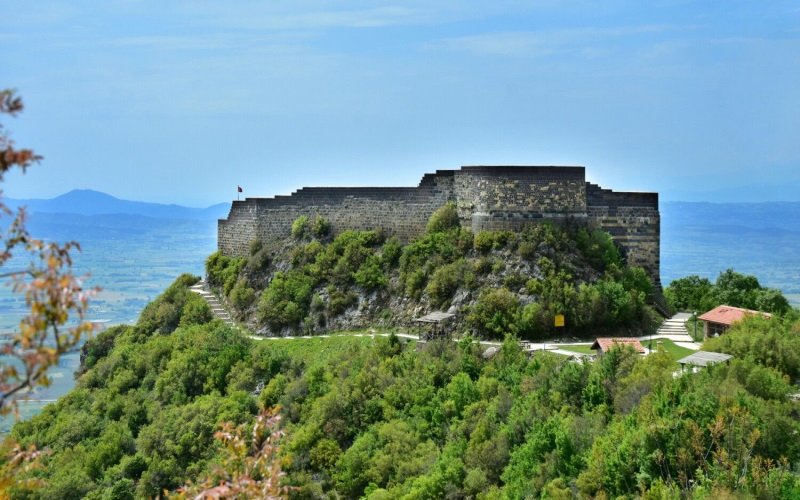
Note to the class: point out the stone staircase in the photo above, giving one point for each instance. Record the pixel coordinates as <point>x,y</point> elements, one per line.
<point>201,288</point>
<point>675,327</point>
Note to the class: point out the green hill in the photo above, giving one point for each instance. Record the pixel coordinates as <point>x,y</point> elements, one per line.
<point>371,417</point>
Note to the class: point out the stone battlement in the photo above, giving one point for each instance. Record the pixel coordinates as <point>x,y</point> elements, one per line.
<point>487,198</point>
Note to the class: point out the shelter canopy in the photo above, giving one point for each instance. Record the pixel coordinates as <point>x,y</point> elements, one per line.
<point>434,317</point>
<point>704,358</point>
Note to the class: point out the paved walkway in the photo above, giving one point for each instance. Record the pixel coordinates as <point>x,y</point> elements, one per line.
<point>673,329</point>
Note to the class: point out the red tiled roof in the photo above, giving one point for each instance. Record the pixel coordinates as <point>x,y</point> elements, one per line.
<point>604,344</point>
<point>728,315</point>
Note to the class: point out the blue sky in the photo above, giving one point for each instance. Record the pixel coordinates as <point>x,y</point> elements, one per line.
<point>180,101</point>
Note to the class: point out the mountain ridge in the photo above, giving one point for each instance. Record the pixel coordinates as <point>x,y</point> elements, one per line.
<point>91,202</point>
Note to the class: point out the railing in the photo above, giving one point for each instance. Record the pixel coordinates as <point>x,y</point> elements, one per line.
<point>657,300</point>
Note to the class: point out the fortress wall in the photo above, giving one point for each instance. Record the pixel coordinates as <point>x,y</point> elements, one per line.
<point>488,198</point>
<point>403,212</point>
<point>235,233</point>
<point>633,221</point>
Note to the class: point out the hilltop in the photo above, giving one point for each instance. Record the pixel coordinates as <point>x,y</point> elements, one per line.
<point>494,281</point>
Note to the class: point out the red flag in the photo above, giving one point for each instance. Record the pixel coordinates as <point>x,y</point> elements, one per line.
<point>239,189</point>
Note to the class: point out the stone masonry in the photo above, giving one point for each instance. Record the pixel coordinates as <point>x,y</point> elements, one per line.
<point>487,198</point>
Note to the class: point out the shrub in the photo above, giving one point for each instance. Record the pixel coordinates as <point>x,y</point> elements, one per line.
<point>391,252</point>
<point>306,254</point>
<point>443,219</point>
<point>222,271</point>
<point>340,301</point>
<point>502,239</point>
<point>534,286</point>
<point>299,226</point>
<point>343,257</point>
<point>242,296</point>
<point>370,275</point>
<point>599,249</point>
<point>256,245</point>
<point>495,313</point>
<point>533,321</point>
<point>195,311</point>
<point>286,299</point>
<point>317,304</point>
<point>258,262</point>
<point>435,248</point>
<point>445,281</point>
<point>320,227</point>
<point>484,241</point>
<point>164,314</point>
<point>498,266</point>
<point>635,278</point>
<point>620,306</point>
<point>99,346</point>
<point>415,282</point>
<point>483,265</point>
<point>514,281</point>
<point>527,250</point>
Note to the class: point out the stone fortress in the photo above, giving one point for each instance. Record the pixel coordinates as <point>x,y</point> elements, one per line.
<point>487,198</point>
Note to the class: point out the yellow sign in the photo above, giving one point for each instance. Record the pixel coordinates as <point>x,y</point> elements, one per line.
<point>559,320</point>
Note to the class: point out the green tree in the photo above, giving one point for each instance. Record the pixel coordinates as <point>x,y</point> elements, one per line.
<point>742,290</point>
<point>495,313</point>
<point>691,293</point>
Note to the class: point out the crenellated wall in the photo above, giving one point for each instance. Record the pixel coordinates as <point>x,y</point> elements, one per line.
<point>487,198</point>
<point>403,212</point>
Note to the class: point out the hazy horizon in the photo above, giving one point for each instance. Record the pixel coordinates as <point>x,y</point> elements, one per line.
<point>718,197</point>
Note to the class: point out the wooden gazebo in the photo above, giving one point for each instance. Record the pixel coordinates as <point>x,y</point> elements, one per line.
<point>435,321</point>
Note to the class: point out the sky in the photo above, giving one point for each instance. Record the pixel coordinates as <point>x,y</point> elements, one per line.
<point>181,101</point>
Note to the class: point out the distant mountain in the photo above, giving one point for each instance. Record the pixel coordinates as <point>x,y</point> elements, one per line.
<point>89,202</point>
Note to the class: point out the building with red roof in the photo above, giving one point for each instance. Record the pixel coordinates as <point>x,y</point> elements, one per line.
<point>719,319</point>
<point>603,345</point>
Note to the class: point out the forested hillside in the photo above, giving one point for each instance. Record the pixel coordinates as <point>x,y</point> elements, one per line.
<point>180,403</point>
<point>497,282</point>
<point>377,418</point>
